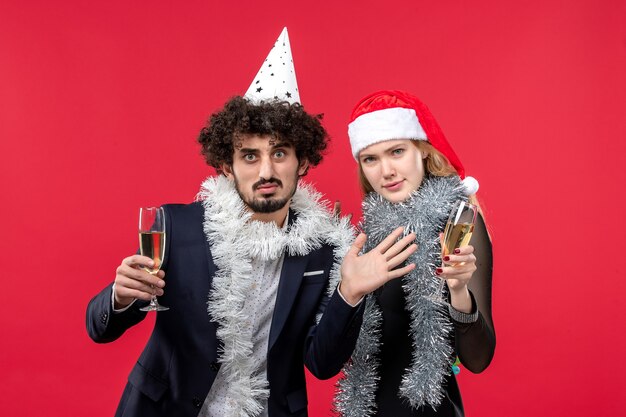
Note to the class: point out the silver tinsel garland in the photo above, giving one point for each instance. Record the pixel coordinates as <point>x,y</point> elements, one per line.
<point>235,239</point>
<point>425,213</point>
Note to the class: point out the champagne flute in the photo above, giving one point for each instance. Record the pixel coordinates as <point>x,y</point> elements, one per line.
<point>152,245</point>
<point>457,233</point>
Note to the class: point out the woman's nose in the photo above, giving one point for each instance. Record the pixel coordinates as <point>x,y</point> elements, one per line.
<point>387,168</point>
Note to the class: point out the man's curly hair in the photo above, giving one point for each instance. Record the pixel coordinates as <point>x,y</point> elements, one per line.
<point>278,119</point>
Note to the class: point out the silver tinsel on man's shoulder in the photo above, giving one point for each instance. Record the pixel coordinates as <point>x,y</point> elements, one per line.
<point>425,213</point>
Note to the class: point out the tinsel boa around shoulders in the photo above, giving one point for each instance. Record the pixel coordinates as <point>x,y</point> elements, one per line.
<point>234,240</point>
<point>425,213</point>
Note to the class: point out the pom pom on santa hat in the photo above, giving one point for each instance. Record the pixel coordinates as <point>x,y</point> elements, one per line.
<point>388,114</point>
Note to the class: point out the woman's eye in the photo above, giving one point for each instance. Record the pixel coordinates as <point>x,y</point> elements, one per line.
<point>367,159</point>
<point>397,151</point>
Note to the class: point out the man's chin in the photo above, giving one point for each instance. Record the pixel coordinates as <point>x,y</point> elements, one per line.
<point>267,205</point>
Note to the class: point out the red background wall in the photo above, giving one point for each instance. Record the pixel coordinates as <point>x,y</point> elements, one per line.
<point>101,102</point>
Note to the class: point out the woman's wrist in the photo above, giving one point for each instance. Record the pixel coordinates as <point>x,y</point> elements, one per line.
<point>460,299</point>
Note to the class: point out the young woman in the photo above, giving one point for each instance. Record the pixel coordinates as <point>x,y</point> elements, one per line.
<point>411,335</point>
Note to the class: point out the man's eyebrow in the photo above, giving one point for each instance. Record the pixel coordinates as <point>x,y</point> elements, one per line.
<point>247,150</point>
<point>256,150</point>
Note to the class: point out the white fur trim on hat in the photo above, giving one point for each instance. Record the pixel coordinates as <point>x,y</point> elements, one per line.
<point>382,125</point>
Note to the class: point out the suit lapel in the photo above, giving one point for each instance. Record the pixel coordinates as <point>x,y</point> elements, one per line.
<point>290,278</point>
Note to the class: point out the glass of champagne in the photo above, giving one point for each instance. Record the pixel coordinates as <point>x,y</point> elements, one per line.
<point>457,233</point>
<point>152,245</point>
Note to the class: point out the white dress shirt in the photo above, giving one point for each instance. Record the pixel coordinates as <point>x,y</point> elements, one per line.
<point>260,307</point>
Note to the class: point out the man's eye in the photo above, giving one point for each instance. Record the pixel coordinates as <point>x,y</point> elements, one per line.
<point>279,154</point>
<point>249,157</point>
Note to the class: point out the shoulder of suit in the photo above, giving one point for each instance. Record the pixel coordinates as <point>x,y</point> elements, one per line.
<point>182,207</point>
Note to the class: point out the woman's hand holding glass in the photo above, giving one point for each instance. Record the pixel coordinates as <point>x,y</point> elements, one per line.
<point>457,255</point>
<point>457,270</point>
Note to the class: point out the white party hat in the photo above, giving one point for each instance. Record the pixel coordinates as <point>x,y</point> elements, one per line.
<point>276,80</point>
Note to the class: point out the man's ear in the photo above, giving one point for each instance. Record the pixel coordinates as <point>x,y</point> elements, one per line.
<point>227,170</point>
<point>303,167</point>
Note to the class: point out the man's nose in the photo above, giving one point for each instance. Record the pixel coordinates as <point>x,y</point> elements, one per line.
<point>266,169</point>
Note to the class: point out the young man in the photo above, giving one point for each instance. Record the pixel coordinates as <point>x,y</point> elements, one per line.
<point>252,272</point>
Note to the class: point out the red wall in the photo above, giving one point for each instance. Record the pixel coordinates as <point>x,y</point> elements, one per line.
<point>101,102</point>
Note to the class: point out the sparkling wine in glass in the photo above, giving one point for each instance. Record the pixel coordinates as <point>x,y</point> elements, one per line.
<point>458,231</point>
<point>152,245</point>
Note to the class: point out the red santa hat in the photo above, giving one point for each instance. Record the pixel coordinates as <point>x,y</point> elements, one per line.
<point>388,114</point>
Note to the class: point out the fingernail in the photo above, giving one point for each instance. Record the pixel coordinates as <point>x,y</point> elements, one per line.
<point>438,271</point>
<point>161,284</point>
<point>446,258</point>
<point>457,251</point>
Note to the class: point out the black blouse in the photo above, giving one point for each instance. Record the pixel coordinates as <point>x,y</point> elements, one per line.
<point>474,342</point>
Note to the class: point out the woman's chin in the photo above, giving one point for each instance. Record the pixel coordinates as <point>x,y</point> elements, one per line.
<point>396,197</point>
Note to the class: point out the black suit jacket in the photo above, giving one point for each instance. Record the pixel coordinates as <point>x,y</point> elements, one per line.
<point>175,372</point>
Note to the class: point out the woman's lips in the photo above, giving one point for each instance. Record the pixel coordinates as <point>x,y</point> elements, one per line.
<point>393,186</point>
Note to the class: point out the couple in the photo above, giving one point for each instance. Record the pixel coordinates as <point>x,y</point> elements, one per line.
<point>260,278</point>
